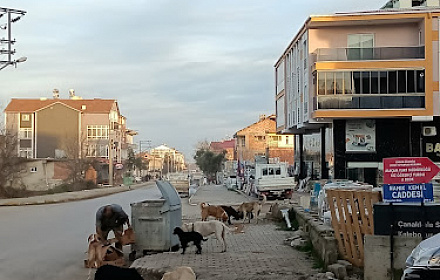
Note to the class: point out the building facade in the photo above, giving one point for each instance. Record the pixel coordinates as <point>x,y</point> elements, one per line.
<point>361,87</point>
<point>163,157</point>
<point>261,139</point>
<point>227,146</point>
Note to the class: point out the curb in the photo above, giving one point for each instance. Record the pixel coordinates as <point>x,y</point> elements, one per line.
<point>40,200</point>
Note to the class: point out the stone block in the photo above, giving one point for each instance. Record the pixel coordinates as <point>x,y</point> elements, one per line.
<point>347,264</point>
<point>338,270</point>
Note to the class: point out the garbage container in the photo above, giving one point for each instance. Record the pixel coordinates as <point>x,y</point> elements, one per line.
<point>155,219</point>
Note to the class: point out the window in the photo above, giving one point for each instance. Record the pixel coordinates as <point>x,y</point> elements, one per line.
<point>280,77</point>
<point>25,133</point>
<point>360,46</point>
<point>264,171</point>
<point>97,150</point>
<point>25,153</point>
<point>97,131</point>
<point>25,117</point>
<point>33,169</point>
<point>260,138</point>
<point>287,140</point>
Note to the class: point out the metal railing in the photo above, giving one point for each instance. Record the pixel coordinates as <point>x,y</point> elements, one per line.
<point>379,53</point>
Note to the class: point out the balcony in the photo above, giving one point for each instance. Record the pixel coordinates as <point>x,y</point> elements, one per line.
<point>370,101</point>
<point>359,54</point>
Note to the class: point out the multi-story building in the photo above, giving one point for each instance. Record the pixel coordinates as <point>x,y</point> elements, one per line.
<point>62,128</point>
<point>260,139</point>
<point>227,146</point>
<point>166,157</point>
<point>361,86</point>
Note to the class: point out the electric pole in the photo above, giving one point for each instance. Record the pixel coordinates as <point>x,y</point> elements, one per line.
<point>7,18</point>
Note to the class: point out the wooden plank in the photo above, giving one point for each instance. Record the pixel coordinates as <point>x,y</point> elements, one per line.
<point>369,204</point>
<point>335,223</point>
<point>359,236</point>
<point>349,224</point>
<point>343,225</point>
<point>360,196</point>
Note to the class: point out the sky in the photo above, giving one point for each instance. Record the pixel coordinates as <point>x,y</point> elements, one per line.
<point>182,71</point>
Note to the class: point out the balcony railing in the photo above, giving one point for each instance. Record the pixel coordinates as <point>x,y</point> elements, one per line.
<point>380,53</point>
<point>370,101</point>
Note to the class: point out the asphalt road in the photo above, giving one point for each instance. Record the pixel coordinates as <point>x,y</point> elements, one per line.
<point>49,241</point>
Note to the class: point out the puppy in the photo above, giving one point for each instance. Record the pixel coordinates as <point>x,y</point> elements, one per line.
<point>110,272</point>
<point>187,237</point>
<point>207,228</point>
<point>232,213</point>
<point>215,211</point>
<point>95,253</point>
<point>251,208</point>
<point>180,273</point>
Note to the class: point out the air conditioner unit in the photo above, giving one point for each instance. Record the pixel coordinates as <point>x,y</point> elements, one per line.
<point>429,131</point>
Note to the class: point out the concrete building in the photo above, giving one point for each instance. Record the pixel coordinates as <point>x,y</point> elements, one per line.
<point>355,88</point>
<point>166,157</point>
<point>62,128</point>
<point>260,139</point>
<point>226,145</point>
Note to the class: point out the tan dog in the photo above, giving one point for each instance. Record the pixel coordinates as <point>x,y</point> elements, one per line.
<point>95,252</point>
<point>206,228</point>
<point>180,273</point>
<point>251,207</point>
<point>214,211</point>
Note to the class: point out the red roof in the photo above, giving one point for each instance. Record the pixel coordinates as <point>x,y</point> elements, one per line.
<point>32,105</point>
<point>223,145</point>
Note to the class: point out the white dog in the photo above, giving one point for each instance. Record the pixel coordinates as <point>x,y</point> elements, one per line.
<point>207,228</point>
<point>180,273</point>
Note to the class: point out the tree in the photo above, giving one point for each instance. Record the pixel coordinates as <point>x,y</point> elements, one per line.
<point>10,162</point>
<point>135,162</point>
<point>76,160</point>
<point>209,162</point>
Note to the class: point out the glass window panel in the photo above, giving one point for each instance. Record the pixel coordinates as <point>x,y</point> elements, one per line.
<point>410,81</point>
<point>357,82</point>
<point>347,83</point>
<point>353,41</point>
<point>321,83</point>
<point>392,102</point>
<point>366,82</point>
<point>374,82</point>
<point>339,82</point>
<point>413,102</point>
<point>329,83</point>
<point>401,81</point>
<point>383,81</point>
<point>392,81</point>
<point>370,102</point>
<point>420,80</point>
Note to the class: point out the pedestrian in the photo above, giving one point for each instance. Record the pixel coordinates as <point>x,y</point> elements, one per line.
<point>111,218</point>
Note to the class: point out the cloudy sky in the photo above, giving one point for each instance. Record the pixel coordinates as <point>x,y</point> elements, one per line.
<point>181,70</point>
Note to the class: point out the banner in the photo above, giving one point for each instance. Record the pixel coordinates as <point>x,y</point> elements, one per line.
<point>360,136</point>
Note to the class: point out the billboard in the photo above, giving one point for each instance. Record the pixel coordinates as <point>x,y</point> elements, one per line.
<point>360,136</point>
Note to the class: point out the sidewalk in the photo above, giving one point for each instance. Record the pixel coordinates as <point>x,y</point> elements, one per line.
<point>258,253</point>
<point>69,196</point>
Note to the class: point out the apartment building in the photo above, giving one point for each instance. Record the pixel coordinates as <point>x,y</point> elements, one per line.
<point>227,146</point>
<point>56,128</point>
<point>361,86</point>
<point>260,139</point>
<point>164,157</point>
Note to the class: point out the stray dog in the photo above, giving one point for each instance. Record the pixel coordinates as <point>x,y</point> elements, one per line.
<point>187,237</point>
<point>207,228</point>
<point>180,273</point>
<point>110,272</point>
<point>232,213</point>
<point>251,207</point>
<point>95,252</point>
<point>215,211</point>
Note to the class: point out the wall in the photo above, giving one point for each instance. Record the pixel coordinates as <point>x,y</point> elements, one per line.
<point>40,175</point>
<point>377,255</point>
<point>56,128</point>
<point>390,35</point>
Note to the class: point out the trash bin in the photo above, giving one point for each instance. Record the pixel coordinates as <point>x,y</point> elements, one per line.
<point>155,219</point>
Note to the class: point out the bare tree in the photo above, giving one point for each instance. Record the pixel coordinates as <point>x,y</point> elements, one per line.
<point>76,160</point>
<point>10,161</point>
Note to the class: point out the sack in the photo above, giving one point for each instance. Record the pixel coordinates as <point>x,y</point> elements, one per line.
<point>128,236</point>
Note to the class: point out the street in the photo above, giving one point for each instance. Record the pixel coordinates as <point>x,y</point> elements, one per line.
<point>50,241</point>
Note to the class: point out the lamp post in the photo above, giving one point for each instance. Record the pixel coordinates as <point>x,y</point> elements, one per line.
<point>9,41</point>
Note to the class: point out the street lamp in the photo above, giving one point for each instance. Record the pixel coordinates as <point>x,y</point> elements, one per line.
<point>14,62</point>
<point>9,41</point>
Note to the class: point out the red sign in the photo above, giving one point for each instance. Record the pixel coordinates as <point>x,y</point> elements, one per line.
<point>408,170</point>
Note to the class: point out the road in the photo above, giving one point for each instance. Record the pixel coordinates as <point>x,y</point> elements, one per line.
<point>49,241</point>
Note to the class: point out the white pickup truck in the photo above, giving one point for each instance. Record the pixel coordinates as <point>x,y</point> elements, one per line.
<point>272,180</point>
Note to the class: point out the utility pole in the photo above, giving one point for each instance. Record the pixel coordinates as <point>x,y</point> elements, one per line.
<point>110,163</point>
<point>9,41</point>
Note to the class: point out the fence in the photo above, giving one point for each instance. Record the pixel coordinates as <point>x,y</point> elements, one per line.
<point>352,218</point>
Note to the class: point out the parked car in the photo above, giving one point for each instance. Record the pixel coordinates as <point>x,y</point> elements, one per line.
<point>424,260</point>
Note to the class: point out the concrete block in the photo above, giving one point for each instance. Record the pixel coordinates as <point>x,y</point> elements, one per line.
<point>347,264</point>
<point>338,270</point>
<point>298,243</point>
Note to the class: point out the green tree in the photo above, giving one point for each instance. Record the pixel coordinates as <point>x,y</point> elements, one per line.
<point>209,162</point>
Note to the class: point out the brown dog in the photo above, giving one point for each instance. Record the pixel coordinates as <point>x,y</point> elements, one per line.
<point>214,211</point>
<point>95,252</point>
<point>251,207</point>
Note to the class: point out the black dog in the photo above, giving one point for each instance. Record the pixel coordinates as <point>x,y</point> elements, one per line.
<point>232,213</point>
<point>187,237</point>
<point>110,272</point>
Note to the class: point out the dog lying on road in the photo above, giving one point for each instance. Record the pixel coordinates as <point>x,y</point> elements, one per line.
<point>207,228</point>
<point>187,237</point>
<point>215,211</point>
<point>110,272</point>
<point>251,207</point>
